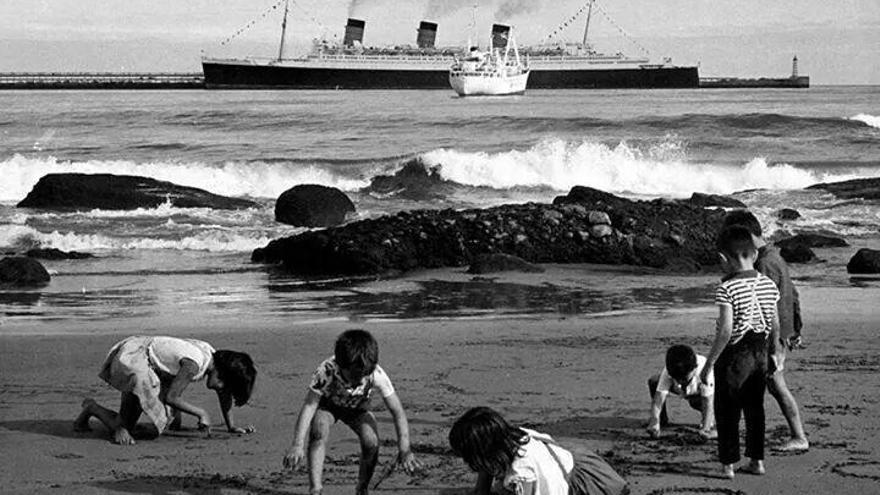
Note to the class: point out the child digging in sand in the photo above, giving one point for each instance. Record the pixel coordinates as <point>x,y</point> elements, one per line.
<point>512,460</point>
<point>340,390</point>
<point>152,374</point>
<point>680,377</point>
<point>747,330</point>
<point>771,264</point>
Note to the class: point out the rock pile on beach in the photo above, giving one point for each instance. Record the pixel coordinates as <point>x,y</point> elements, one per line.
<point>585,226</point>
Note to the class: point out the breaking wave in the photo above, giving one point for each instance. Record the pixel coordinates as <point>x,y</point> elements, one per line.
<point>871,120</point>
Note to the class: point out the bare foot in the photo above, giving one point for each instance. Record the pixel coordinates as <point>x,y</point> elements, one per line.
<point>727,471</point>
<point>794,445</point>
<point>123,437</point>
<point>754,467</point>
<point>82,421</point>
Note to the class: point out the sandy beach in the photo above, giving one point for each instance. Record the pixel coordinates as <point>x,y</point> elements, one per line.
<point>578,376</point>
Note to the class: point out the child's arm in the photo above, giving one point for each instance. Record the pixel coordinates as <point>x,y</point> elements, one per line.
<point>296,453</point>
<point>724,327</point>
<point>775,356</point>
<point>656,407</point>
<point>225,399</point>
<point>405,456</point>
<point>188,370</point>
<point>707,421</point>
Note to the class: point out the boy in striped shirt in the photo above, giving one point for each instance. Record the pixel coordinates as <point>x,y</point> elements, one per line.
<point>747,330</point>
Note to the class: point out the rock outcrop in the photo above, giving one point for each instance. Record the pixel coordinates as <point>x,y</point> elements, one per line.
<point>585,226</point>
<point>312,205</point>
<point>56,254</point>
<point>788,214</point>
<point>797,253</point>
<point>812,241</point>
<point>849,189</point>
<point>21,271</point>
<point>120,192</point>
<point>714,200</point>
<point>865,261</point>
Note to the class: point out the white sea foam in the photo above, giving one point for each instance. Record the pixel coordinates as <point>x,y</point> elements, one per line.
<point>617,169</point>
<point>871,120</point>
<point>255,179</point>
<point>214,240</point>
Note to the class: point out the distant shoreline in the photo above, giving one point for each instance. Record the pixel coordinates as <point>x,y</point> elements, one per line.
<point>102,80</point>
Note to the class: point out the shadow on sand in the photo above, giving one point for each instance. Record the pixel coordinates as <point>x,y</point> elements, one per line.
<point>63,428</point>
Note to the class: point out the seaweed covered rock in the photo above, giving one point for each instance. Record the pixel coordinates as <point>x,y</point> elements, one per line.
<point>56,254</point>
<point>812,241</point>
<point>714,200</point>
<point>312,205</point>
<point>21,271</point>
<point>850,189</point>
<point>585,226</point>
<point>797,253</point>
<point>788,214</point>
<point>71,191</point>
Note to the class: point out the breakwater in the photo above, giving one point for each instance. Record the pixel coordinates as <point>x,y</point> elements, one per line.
<point>101,80</point>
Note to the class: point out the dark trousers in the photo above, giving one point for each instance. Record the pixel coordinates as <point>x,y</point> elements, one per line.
<point>740,381</point>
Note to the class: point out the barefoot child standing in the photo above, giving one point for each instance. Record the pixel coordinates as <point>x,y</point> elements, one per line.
<point>747,330</point>
<point>341,390</point>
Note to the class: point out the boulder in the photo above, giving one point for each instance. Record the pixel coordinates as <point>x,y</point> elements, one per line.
<point>415,180</point>
<point>21,271</point>
<point>850,189</point>
<point>865,261</point>
<point>798,253</point>
<point>56,254</point>
<point>120,192</point>
<point>788,214</point>
<point>714,200</point>
<point>660,234</point>
<point>312,205</point>
<point>500,262</point>
<point>813,241</point>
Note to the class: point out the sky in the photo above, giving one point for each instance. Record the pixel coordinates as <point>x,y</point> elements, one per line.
<point>837,42</point>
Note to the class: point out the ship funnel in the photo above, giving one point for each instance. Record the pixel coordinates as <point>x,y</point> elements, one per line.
<point>500,34</point>
<point>354,32</point>
<point>427,34</point>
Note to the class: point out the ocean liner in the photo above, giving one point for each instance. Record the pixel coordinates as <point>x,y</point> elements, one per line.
<point>352,65</point>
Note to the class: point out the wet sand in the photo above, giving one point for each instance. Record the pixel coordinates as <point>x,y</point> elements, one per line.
<point>576,374</point>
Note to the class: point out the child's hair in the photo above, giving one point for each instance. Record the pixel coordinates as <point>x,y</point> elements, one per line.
<point>236,371</point>
<point>736,241</point>
<point>744,218</point>
<point>357,348</point>
<point>485,441</point>
<point>680,361</point>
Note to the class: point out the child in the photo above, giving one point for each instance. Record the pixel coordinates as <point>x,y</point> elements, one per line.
<point>508,459</point>
<point>746,330</point>
<point>340,390</point>
<point>681,377</point>
<point>771,264</point>
<point>153,372</point>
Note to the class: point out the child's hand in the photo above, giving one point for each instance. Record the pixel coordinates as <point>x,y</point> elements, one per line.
<point>294,458</point>
<point>704,374</point>
<point>204,424</point>
<point>408,461</point>
<point>242,431</point>
<point>653,429</point>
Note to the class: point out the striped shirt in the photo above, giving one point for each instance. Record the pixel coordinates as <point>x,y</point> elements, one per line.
<point>753,297</point>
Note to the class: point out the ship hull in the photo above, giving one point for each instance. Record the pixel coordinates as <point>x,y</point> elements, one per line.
<point>221,75</point>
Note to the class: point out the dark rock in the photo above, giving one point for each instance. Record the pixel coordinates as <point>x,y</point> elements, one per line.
<point>312,205</point>
<point>500,262</point>
<point>788,214</point>
<point>710,200</point>
<point>120,192</point>
<point>21,271</point>
<point>56,254</point>
<point>865,261</point>
<point>647,233</point>
<point>849,189</point>
<point>813,241</point>
<point>798,253</point>
<point>415,180</point>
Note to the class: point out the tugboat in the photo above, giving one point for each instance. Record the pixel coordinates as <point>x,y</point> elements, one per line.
<point>493,73</point>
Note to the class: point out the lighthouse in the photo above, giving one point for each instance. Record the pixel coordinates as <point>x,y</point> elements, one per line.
<point>794,73</point>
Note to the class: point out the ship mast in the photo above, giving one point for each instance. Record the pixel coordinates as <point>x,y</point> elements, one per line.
<point>283,30</point>
<point>587,27</point>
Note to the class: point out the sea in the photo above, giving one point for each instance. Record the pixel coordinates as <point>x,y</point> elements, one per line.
<point>190,268</point>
